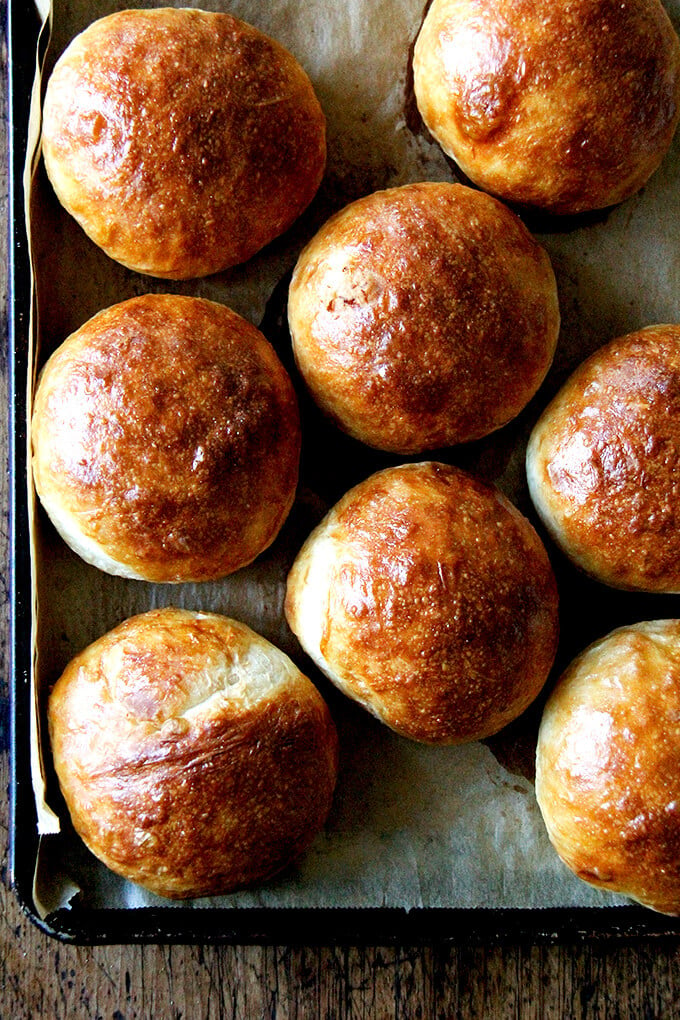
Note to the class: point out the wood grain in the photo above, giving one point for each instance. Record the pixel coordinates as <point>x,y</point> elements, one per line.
<point>41,978</point>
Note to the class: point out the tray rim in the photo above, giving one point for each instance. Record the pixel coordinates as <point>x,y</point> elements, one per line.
<point>195,925</point>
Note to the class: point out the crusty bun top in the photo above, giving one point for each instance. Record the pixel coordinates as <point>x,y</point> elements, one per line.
<point>166,439</point>
<point>426,596</point>
<point>193,756</point>
<point>608,764</point>
<point>604,458</point>
<point>567,107</point>
<point>422,316</point>
<point>182,141</point>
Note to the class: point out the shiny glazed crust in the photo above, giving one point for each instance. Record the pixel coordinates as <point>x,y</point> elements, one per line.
<point>428,598</point>
<point>603,462</point>
<point>182,141</point>
<point>608,764</point>
<point>193,756</point>
<point>564,107</point>
<point>166,440</point>
<point>423,316</point>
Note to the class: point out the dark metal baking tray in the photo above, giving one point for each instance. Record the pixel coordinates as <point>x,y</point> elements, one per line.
<point>210,925</point>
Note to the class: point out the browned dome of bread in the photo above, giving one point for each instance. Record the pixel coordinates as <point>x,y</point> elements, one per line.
<point>428,598</point>
<point>193,756</point>
<point>166,440</point>
<point>608,764</point>
<point>567,107</point>
<point>423,316</point>
<point>182,141</point>
<point>603,462</point>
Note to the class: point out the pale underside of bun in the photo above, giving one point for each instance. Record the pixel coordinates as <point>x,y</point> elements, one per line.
<point>82,544</point>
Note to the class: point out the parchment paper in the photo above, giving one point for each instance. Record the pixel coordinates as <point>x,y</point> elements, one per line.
<point>411,826</point>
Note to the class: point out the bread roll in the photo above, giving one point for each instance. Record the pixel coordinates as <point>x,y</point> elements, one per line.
<point>192,754</point>
<point>428,598</point>
<point>602,462</point>
<point>608,764</point>
<point>166,440</point>
<point>566,107</point>
<point>423,316</point>
<point>182,141</point>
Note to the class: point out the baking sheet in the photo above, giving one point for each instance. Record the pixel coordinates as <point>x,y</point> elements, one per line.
<point>412,827</point>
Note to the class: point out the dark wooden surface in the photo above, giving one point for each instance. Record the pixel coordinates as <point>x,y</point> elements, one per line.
<point>40,977</point>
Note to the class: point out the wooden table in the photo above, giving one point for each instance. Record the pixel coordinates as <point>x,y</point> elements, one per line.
<point>40,977</point>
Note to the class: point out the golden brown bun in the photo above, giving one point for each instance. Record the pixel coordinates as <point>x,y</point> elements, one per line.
<point>182,141</point>
<point>608,764</point>
<point>193,756</point>
<point>565,107</point>
<point>602,462</point>
<point>166,440</point>
<point>423,316</point>
<point>428,598</point>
